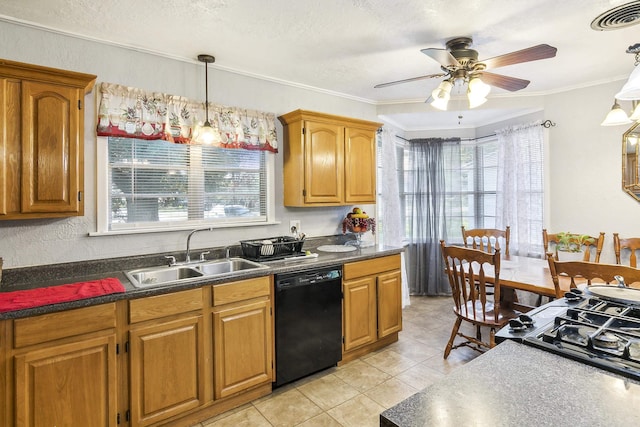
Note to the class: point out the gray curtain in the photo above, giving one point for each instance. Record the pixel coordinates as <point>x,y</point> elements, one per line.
<point>427,221</point>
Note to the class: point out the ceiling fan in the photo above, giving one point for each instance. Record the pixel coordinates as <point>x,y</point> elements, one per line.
<point>460,64</point>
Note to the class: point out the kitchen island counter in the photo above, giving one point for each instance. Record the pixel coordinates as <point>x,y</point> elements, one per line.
<point>517,385</point>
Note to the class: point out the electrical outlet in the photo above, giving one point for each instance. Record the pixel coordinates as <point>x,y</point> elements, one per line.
<point>294,223</point>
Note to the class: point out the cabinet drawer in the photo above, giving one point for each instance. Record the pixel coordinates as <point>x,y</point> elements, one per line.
<point>53,326</point>
<point>371,266</point>
<point>242,290</point>
<point>159,306</point>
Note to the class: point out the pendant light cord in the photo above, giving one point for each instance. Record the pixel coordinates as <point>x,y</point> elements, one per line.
<point>207,59</point>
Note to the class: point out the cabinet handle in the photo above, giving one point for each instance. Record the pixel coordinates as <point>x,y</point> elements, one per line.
<point>79,196</point>
<point>79,104</point>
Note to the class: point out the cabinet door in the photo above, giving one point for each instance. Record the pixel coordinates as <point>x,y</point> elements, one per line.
<point>389,303</point>
<point>360,166</point>
<point>324,163</point>
<point>359,312</point>
<point>68,385</point>
<point>52,158</point>
<point>167,376</point>
<point>242,347</point>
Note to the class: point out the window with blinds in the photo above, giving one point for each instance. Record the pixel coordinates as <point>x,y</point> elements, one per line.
<point>471,185</point>
<point>471,182</point>
<point>158,184</point>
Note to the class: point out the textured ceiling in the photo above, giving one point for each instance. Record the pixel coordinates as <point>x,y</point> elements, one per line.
<point>348,46</point>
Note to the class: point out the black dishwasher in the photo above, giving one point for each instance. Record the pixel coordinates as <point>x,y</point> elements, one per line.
<point>308,322</point>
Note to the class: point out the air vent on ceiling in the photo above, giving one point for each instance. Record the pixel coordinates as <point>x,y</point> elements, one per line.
<point>618,17</point>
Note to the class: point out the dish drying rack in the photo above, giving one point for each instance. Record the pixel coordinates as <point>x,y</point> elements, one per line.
<point>280,247</point>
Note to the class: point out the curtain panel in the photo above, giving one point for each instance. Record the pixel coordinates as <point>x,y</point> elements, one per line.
<point>389,202</point>
<point>427,221</point>
<point>128,112</point>
<point>520,183</point>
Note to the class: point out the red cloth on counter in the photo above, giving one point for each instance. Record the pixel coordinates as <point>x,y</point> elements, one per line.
<point>19,300</point>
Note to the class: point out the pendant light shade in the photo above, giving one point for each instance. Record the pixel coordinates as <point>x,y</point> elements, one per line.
<point>631,89</point>
<point>616,116</point>
<point>207,133</point>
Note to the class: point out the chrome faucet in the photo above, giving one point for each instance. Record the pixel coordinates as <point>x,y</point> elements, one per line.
<point>188,256</point>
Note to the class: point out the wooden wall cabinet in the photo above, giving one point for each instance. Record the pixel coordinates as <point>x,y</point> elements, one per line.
<point>41,141</point>
<point>242,336</point>
<point>372,304</point>
<point>328,160</point>
<point>61,369</point>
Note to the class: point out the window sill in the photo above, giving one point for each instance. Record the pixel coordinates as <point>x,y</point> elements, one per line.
<point>174,228</point>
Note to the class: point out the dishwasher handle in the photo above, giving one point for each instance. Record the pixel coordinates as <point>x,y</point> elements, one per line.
<point>306,278</point>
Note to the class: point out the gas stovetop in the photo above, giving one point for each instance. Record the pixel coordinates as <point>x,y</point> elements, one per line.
<point>590,329</point>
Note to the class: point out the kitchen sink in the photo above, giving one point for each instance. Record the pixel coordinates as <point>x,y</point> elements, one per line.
<point>161,275</point>
<point>153,276</point>
<point>214,268</point>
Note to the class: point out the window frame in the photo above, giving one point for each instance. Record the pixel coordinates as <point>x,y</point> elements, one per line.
<point>103,205</point>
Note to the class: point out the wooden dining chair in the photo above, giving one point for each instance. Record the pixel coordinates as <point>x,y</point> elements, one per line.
<point>481,238</point>
<point>632,244</point>
<point>595,246</point>
<point>465,268</point>
<point>590,272</point>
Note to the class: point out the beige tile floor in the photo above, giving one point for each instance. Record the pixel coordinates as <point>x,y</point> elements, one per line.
<point>354,394</point>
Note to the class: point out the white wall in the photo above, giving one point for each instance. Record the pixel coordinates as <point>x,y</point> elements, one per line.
<point>37,242</point>
<point>585,167</point>
<point>583,176</point>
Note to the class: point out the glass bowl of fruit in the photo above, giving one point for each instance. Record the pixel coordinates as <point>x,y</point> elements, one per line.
<point>358,222</point>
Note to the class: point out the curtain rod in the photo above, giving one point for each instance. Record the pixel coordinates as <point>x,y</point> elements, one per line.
<point>545,124</point>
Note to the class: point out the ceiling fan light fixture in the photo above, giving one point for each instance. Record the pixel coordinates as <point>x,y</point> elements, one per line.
<point>616,116</point>
<point>440,103</point>
<point>478,88</point>
<point>443,91</point>
<point>476,101</point>
<point>441,95</point>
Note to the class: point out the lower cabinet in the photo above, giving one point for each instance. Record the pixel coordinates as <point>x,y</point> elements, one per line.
<point>64,369</point>
<point>242,336</point>
<point>166,356</point>
<point>67,384</point>
<point>372,304</point>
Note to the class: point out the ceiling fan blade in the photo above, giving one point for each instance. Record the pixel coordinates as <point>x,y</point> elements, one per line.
<point>442,56</point>
<point>534,53</point>
<point>413,79</point>
<point>504,82</point>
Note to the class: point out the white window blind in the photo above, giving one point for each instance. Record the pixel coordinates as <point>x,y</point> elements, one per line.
<point>157,184</point>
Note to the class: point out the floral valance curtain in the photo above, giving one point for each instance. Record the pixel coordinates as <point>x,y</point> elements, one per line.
<point>134,113</point>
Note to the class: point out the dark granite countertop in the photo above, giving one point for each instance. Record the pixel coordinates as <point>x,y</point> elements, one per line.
<point>517,385</point>
<point>51,275</point>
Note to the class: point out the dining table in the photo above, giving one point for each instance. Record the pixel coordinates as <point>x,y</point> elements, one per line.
<point>519,273</point>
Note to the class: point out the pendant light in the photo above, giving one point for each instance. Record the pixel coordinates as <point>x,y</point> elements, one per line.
<point>207,134</point>
<point>616,116</point>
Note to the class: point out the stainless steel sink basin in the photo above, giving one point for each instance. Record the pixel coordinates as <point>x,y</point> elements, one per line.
<point>214,268</point>
<point>155,276</point>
